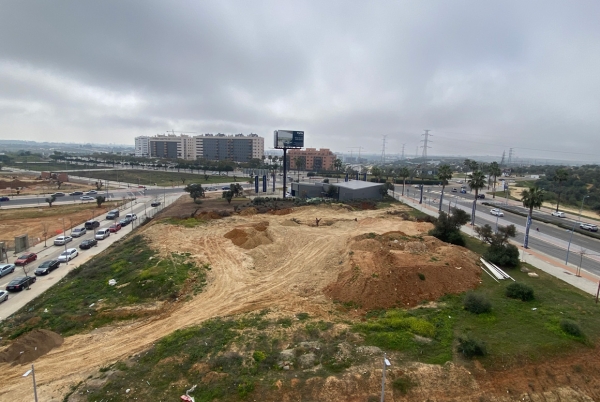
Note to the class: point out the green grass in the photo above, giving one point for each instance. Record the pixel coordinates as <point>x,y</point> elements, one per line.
<point>161,178</point>
<point>52,166</point>
<point>141,277</point>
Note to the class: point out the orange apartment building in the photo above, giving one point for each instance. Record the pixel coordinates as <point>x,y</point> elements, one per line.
<point>315,159</point>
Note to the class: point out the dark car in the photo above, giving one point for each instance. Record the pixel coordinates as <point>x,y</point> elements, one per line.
<point>46,267</point>
<point>86,244</point>
<point>74,193</point>
<point>91,225</point>
<point>125,221</point>
<point>463,191</point>
<point>481,196</point>
<point>26,259</point>
<point>155,204</point>
<point>20,283</point>
<point>4,199</point>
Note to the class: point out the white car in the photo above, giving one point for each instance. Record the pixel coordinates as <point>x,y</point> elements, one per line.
<point>6,269</point>
<point>3,296</point>
<point>68,255</point>
<point>77,232</point>
<point>62,240</point>
<point>559,214</point>
<point>87,198</point>
<point>496,212</point>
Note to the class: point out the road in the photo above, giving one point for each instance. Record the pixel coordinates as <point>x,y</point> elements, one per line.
<point>16,300</point>
<point>552,240</point>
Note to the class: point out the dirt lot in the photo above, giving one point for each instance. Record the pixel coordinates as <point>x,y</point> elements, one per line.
<point>30,185</point>
<point>283,260</point>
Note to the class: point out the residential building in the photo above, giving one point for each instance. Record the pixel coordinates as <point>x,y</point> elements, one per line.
<point>142,146</point>
<point>321,159</point>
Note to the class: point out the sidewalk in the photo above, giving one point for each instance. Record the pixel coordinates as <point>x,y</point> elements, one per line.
<point>587,282</point>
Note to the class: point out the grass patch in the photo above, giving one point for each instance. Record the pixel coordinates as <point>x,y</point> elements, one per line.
<point>142,277</point>
<point>57,210</point>
<point>52,166</point>
<point>186,223</point>
<point>161,178</point>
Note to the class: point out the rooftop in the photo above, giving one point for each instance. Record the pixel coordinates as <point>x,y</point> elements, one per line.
<point>356,184</point>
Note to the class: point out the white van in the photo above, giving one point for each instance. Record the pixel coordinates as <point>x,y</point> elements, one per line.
<point>102,234</point>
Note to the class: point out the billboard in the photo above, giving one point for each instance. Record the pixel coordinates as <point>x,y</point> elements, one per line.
<point>289,139</point>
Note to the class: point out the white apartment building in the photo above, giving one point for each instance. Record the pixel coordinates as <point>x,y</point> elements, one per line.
<point>142,146</point>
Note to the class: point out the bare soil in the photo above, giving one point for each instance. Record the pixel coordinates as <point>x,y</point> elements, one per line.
<point>287,263</point>
<point>31,185</point>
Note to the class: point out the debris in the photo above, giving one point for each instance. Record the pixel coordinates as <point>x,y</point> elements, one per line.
<point>112,282</point>
<point>127,390</point>
<point>533,275</point>
<point>535,308</point>
<point>92,305</point>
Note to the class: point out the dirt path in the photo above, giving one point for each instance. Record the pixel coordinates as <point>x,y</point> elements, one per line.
<point>289,273</point>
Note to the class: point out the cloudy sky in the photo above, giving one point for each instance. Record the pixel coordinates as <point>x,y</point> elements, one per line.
<point>483,76</point>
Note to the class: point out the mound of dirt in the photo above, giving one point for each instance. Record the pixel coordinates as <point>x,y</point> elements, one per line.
<point>284,211</point>
<point>249,211</point>
<point>384,272</point>
<point>13,184</point>
<point>250,236</point>
<point>30,346</point>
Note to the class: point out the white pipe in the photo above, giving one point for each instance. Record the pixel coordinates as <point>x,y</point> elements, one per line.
<point>492,270</point>
<point>483,269</point>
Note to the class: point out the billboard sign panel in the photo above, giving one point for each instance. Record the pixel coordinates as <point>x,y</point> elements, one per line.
<point>289,139</point>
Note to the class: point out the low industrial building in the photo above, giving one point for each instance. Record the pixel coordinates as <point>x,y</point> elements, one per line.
<point>343,191</point>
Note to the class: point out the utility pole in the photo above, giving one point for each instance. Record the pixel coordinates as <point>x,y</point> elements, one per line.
<point>383,150</point>
<point>425,143</point>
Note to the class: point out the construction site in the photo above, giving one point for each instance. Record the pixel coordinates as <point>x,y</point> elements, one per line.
<point>298,304</point>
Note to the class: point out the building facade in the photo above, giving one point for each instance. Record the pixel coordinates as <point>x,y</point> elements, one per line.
<point>321,159</point>
<point>219,147</point>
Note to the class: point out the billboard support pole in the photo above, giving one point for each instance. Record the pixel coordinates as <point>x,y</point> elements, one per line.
<point>284,170</point>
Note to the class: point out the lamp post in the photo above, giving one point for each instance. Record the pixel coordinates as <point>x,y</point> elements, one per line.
<point>65,241</point>
<point>386,363</point>
<point>32,372</point>
<point>573,229</point>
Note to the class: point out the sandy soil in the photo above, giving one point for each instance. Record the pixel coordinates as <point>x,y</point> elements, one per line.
<point>30,185</point>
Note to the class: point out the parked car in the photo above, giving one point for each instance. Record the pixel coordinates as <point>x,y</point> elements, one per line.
<point>62,240</point>
<point>463,191</point>
<point>225,188</point>
<point>26,259</point>
<point>496,212</point>
<point>559,214</point>
<point>87,198</point>
<point>20,283</point>
<point>454,190</point>
<point>125,222</point>
<point>3,296</point>
<point>91,225</point>
<point>115,227</point>
<point>6,269</point>
<point>76,193</point>
<point>589,227</point>
<point>46,267</point>
<point>155,204</point>
<point>102,234</point>
<point>91,192</point>
<point>68,255</point>
<point>4,199</point>
<point>89,243</point>
<point>481,196</point>
<point>78,232</point>
<point>131,217</point>
<point>58,194</point>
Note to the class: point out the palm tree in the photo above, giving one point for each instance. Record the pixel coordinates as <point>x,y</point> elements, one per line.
<point>404,173</point>
<point>476,182</point>
<point>444,174</point>
<point>338,164</point>
<point>376,172</point>
<point>495,171</point>
<point>531,198</point>
<point>559,176</point>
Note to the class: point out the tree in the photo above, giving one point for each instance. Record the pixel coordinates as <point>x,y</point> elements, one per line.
<point>228,195</point>
<point>45,226</point>
<point>182,181</point>
<point>376,172</point>
<point>98,184</point>
<point>300,162</point>
<point>500,252</point>
<point>99,200</point>
<point>531,198</point>
<point>195,190</point>
<point>50,200</point>
<point>404,173</point>
<point>444,174</point>
<point>476,182</point>
<point>447,227</point>
<point>560,176</point>
<point>338,164</point>
<point>236,189</point>
<point>385,188</point>
<point>58,184</point>
<point>495,171</point>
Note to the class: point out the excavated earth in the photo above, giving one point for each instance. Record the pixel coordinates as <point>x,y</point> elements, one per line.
<point>288,263</point>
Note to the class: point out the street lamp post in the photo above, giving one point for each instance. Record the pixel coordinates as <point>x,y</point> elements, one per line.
<point>32,372</point>
<point>573,229</point>
<point>65,241</point>
<point>386,363</point>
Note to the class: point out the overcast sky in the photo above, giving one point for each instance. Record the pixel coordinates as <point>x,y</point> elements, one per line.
<point>483,76</point>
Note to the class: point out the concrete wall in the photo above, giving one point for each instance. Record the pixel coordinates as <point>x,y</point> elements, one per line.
<point>371,193</point>
<point>307,189</point>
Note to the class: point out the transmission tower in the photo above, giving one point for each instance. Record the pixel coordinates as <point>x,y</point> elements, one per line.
<point>425,142</point>
<point>510,156</point>
<point>402,158</point>
<point>502,160</point>
<point>383,150</point>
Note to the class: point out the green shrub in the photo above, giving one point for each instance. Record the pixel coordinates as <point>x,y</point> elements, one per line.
<point>259,356</point>
<point>403,384</point>
<point>572,328</point>
<point>421,276</point>
<point>471,347</point>
<point>477,303</point>
<point>505,256</point>
<point>519,291</point>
